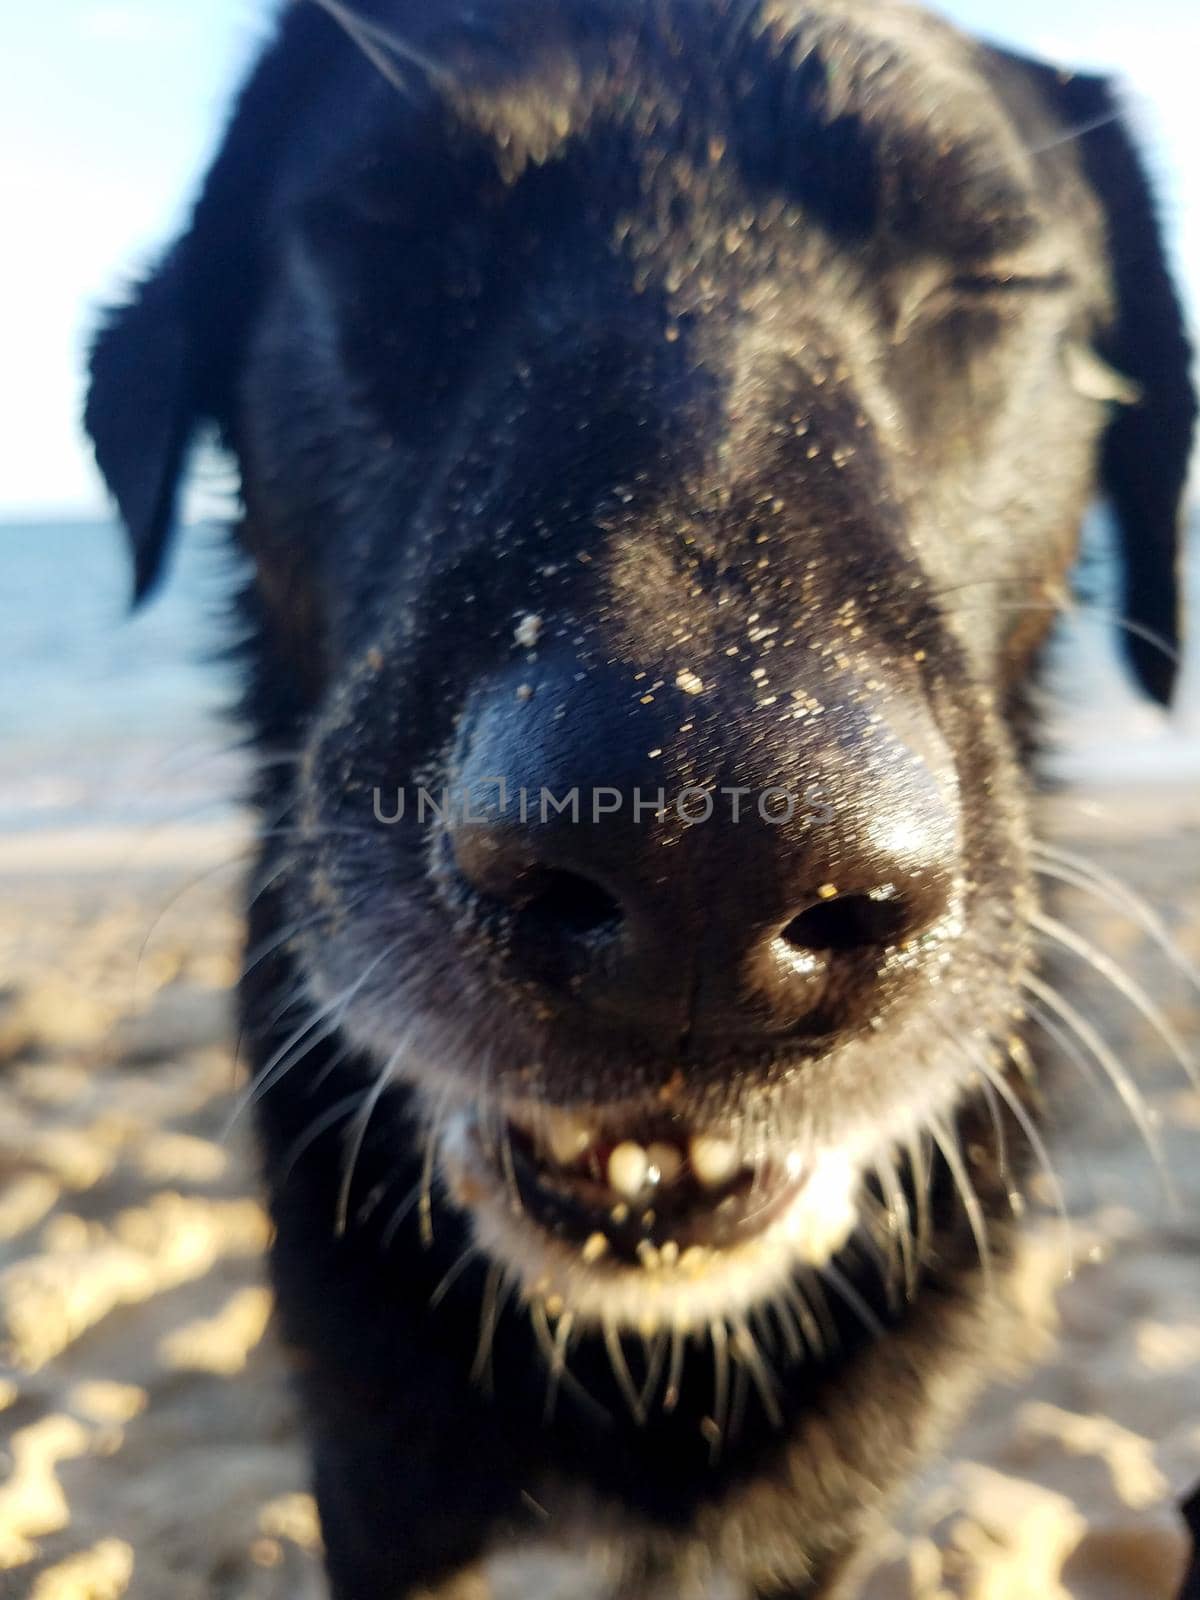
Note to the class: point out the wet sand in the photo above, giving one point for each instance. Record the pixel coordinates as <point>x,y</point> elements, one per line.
<point>149,1444</point>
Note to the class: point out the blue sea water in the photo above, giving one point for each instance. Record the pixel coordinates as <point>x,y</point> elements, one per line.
<point>108,718</point>
<point>118,720</point>
<point>1104,733</point>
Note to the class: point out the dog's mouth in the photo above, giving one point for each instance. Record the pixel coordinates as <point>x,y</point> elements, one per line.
<point>641,1187</point>
<point>645,1191</point>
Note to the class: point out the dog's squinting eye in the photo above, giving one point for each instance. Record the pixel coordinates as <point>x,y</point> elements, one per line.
<point>997,283</point>
<point>988,290</point>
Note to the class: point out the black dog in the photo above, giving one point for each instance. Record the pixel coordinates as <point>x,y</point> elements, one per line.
<point>682,411</point>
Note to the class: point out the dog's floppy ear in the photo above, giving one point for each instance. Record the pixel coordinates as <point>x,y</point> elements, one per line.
<point>165,363</point>
<point>1146,448</point>
<point>142,409</point>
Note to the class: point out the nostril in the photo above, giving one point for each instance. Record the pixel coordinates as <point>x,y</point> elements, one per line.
<point>851,922</point>
<point>568,903</point>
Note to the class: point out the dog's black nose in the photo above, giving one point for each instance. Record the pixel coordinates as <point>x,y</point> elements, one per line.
<point>705,870</point>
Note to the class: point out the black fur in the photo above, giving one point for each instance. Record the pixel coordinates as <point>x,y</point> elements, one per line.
<point>705,335</point>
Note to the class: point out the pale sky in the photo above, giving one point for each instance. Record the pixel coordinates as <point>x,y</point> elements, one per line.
<point>108,109</point>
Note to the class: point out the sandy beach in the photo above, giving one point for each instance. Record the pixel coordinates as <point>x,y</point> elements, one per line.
<point>149,1444</point>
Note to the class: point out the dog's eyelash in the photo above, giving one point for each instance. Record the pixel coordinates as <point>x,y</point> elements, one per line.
<point>982,283</point>
<point>982,288</point>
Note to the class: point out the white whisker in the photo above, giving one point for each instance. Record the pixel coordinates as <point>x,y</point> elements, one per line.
<point>1106,1058</point>
<point>319,1125</point>
<point>900,1219</point>
<point>495,1287</point>
<point>1076,871</point>
<point>846,1291</point>
<point>621,1372</point>
<point>719,1337</point>
<point>428,1166</point>
<point>558,1363</point>
<point>751,1357</point>
<point>675,1371</point>
<point>915,1147</point>
<point>789,1327</point>
<point>655,1352</point>
<point>1000,1085</point>
<point>376,43</point>
<point>946,1140</point>
<point>303,1039</point>
<point>358,1133</point>
<point>1107,968</point>
<point>452,1275</point>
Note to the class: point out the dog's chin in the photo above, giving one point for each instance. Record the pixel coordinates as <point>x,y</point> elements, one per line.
<point>633,1222</point>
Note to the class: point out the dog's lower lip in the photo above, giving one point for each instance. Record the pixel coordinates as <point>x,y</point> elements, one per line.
<point>640,1193</point>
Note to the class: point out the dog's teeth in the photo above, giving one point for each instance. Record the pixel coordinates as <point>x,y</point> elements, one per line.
<point>1092,377</point>
<point>566,1137</point>
<point>714,1161</point>
<point>666,1163</point>
<point>627,1168</point>
<point>595,1247</point>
